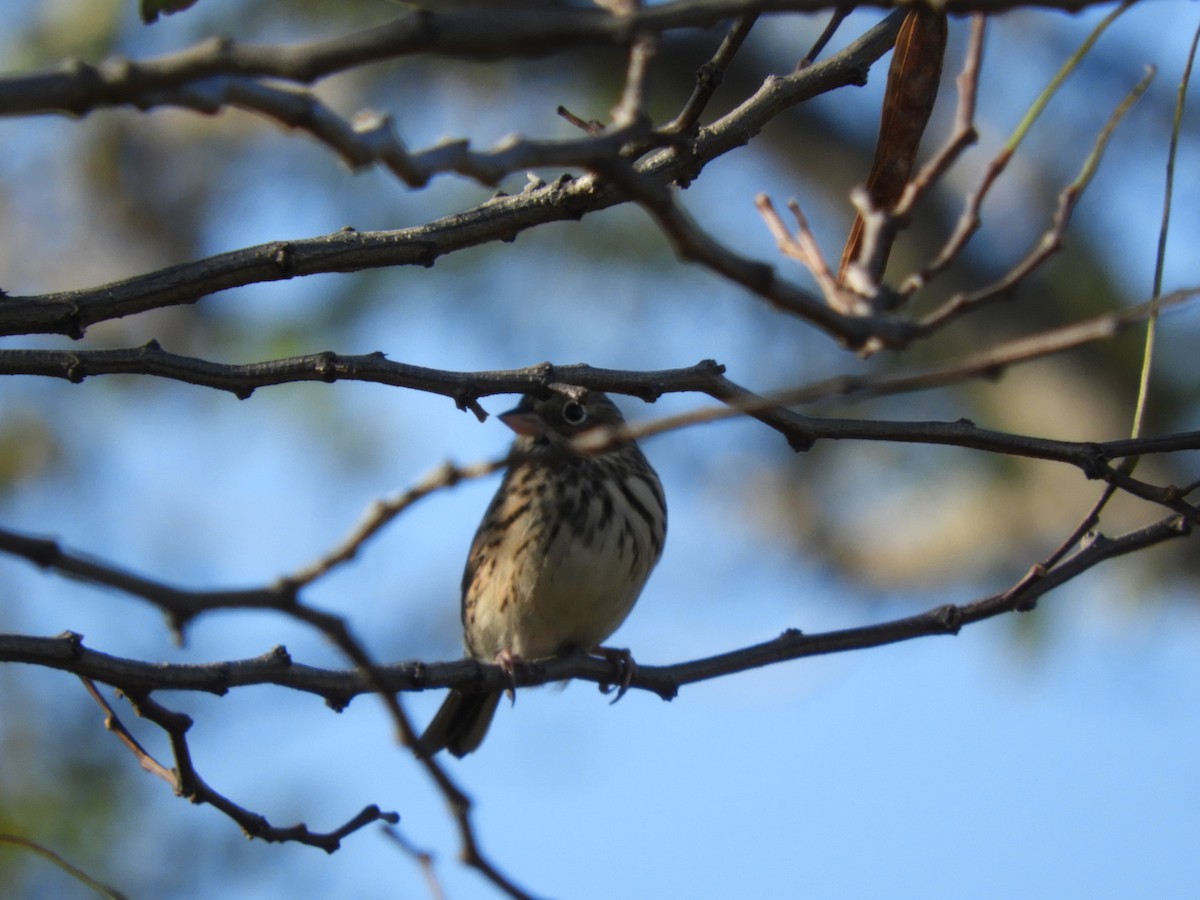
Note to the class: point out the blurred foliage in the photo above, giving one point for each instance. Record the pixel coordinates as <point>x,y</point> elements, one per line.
<point>123,192</point>
<point>150,190</point>
<point>72,804</point>
<point>29,448</point>
<point>161,188</point>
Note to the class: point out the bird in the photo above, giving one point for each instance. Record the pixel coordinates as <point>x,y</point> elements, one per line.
<point>562,553</point>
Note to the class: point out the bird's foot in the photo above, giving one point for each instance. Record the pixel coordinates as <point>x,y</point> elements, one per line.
<point>508,661</point>
<point>622,659</point>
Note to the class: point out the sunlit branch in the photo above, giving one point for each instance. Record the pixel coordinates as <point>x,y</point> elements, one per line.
<point>710,75</point>
<point>1052,239</point>
<point>500,218</point>
<point>970,219</point>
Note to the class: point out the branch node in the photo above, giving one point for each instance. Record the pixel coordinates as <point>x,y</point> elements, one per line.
<point>948,617</point>
<point>286,590</point>
<point>466,401</point>
<point>74,642</point>
<point>281,256</point>
<point>326,366</point>
<point>1095,465</point>
<point>72,325</point>
<point>279,655</point>
<point>418,673</point>
<point>177,621</point>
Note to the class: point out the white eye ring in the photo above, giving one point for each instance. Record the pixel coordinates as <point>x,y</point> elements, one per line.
<point>573,413</point>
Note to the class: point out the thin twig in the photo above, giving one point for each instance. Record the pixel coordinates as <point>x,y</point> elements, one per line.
<point>970,220</point>
<point>423,857</point>
<point>803,247</point>
<point>1051,240</point>
<point>835,20</point>
<point>631,108</point>
<point>1160,256</point>
<point>113,723</point>
<point>963,136</point>
<point>964,133</point>
<point>382,512</point>
<point>72,312</point>
<point>710,75</point>
<point>104,890</point>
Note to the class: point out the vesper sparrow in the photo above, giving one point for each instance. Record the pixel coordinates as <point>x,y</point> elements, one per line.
<point>561,555</point>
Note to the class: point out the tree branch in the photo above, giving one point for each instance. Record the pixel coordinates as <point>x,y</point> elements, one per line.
<point>243,379</point>
<point>501,218</point>
<point>76,88</point>
<point>67,652</point>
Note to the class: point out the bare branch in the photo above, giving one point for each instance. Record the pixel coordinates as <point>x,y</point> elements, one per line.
<point>804,248</point>
<point>465,388</point>
<point>632,161</point>
<point>970,220</point>
<point>964,133</point>
<point>77,88</point>
<point>1093,459</point>
<point>836,18</point>
<point>631,108</point>
<point>191,786</point>
<point>1051,240</point>
<point>68,653</point>
<point>692,243</point>
<point>989,363</point>
<point>384,511</point>
<point>116,726</point>
<point>501,218</point>
<point>710,75</point>
<point>423,857</point>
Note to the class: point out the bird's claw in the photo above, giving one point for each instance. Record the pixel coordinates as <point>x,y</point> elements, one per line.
<point>623,660</point>
<point>508,661</point>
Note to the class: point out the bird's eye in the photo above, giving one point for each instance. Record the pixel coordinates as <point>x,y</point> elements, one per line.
<point>573,413</point>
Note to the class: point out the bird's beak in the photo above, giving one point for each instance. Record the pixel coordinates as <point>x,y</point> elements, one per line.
<point>523,422</point>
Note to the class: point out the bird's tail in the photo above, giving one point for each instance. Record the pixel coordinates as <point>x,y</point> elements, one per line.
<point>460,724</point>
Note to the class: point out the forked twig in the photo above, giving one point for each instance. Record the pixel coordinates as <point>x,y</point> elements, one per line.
<point>803,247</point>
<point>186,781</point>
<point>835,21</point>
<point>970,220</point>
<point>382,512</point>
<point>1129,463</point>
<point>710,75</point>
<point>964,133</point>
<point>116,726</point>
<point>1052,239</point>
